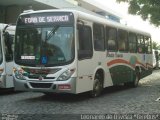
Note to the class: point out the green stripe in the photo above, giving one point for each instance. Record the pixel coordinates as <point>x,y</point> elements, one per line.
<point>122,74</point>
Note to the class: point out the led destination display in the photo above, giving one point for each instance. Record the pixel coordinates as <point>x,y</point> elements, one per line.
<point>46,18</point>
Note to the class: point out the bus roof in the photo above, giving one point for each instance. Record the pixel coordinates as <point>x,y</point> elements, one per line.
<point>94,18</point>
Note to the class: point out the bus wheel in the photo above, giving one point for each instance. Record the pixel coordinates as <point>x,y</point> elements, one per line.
<point>97,86</point>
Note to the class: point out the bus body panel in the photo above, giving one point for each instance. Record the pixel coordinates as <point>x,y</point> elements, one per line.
<point>122,66</point>
<point>9,77</point>
<point>7,66</point>
<point>85,71</point>
<point>3,76</point>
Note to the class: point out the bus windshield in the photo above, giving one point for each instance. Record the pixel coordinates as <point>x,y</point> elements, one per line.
<point>47,46</point>
<point>45,39</point>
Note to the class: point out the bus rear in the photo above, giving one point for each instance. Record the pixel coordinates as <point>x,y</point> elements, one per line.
<point>45,52</point>
<point>7,33</point>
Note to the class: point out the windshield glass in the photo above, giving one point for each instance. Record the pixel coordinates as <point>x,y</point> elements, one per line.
<point>49,46</point>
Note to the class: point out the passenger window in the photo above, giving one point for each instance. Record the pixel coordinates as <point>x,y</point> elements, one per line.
<point>111,38</point>
<point>148,46</point>
<point>98,36</point>
<point>85,42</point>
<point>132,42</point>
<point>141,44</point>
<point>122,40</point>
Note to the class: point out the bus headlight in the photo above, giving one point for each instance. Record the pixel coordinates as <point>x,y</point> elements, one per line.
<point>19,73</point>
<point>66,75</point>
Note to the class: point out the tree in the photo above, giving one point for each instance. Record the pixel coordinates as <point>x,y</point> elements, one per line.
<point>147,9</point>
<point>155,45</point>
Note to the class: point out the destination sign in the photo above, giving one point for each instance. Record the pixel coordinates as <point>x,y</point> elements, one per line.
<point>46,18</point>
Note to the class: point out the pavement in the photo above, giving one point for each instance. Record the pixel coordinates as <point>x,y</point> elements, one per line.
<point>144,99</point>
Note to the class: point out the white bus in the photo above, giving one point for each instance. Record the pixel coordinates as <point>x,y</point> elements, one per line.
<point>156,58</point>
<point>68,51</point>
<point>7,33</point>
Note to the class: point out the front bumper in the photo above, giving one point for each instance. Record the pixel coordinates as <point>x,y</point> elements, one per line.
<point>68,86</point>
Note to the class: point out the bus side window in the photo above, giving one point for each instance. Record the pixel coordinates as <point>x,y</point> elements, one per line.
<point>85,42</point>
<point>122,40</point>
<point>111,38</point>
<point>98,36</point>
<point>132,42</point>
<point>148,46</point>
<point>141,44</point>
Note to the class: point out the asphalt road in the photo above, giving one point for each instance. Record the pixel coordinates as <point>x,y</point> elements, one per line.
<point>144,99</point>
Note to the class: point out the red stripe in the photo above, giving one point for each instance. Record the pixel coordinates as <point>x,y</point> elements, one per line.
<point>141,64</point>
<point>150,65</point>
<point>116,61</point>
<point>119,61</point>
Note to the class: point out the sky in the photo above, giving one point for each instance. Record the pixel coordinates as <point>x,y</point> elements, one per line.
<point>132,20</point>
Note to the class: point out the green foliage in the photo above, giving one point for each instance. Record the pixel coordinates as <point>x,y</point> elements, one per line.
<point>155,45</point>
<point>147,9</point>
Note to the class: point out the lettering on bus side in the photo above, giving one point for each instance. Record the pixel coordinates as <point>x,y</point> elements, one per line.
<point>110,54</point>
<point>118,55</point>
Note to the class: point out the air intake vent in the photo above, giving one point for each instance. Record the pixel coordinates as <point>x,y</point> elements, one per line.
<point>41,85</point>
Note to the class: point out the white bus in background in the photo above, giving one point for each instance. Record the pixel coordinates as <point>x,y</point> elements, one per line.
<point>156,58</point>
<point>68,51</point>
<point>7,33</point>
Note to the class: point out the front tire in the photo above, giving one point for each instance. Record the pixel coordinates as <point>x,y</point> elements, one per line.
<point>97,86</point>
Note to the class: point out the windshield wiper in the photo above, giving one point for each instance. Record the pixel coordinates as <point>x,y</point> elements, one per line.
<point>53,31</point>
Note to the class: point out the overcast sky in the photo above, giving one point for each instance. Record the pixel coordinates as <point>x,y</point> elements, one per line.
<point>134,21</point>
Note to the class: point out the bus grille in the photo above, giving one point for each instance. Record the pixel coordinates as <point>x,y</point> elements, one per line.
<point>41,85</point>
<point>37,77</point>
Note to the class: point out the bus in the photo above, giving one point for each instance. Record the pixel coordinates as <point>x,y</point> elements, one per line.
<point>7,33</point>
<point>69,51</point>
<point>156,58</point>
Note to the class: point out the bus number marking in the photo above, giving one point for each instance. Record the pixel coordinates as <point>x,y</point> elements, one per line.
<point>28,57</point>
